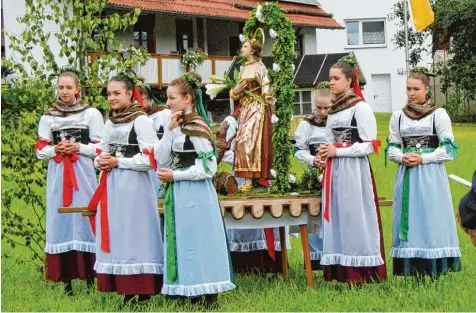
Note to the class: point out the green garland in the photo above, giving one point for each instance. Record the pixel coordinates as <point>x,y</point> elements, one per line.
<point>323,85</point>
<point>273,18</point>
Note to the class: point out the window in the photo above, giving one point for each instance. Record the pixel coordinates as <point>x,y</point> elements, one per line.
<point>140,39</point>
<point>302,102</point>
<point>366,32</point>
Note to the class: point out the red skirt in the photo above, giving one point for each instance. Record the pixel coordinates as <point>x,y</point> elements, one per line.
<point>141,284</point>
<point>69,265</point>
<point>258,262</point>
<point>360,275</point>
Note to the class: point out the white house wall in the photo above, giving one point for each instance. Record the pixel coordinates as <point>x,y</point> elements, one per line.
<point>309,40</point>
<point>126,37</point>
<point>12,9</point>
<point>384,60</point>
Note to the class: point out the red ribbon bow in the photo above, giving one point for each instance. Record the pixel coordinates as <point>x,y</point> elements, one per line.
<point>100,197</point>
<point>150,154</point>
<point>69,176</point>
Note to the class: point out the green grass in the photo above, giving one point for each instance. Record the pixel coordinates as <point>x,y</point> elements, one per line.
<point>23,289</point>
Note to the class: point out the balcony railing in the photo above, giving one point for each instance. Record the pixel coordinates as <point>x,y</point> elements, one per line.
<point>161,69</point>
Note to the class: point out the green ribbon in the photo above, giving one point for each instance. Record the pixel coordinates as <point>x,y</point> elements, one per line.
<point>204,156</point>
<point>151,95</point>
<point>450,146</point>
<point>404,215</point>
<point>390,144</point>
<point>170,234</point>
<point>199,106</point>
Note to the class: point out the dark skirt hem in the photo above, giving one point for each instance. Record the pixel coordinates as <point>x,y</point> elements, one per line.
<point>425,267</point>
<point>69,265</point>
<point>257,262</point>
<point>140,284</point>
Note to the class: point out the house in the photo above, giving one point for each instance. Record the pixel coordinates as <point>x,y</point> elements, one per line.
<point>368,33</point>
<point>167,28</point>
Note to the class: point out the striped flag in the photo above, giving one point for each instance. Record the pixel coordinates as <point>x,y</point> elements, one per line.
<point>422,14</point>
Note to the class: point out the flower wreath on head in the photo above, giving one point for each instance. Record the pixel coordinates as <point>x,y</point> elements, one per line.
<point>197,85</point>
<point>350,59</point>
<point>423,70</point>
<point>136,82</point>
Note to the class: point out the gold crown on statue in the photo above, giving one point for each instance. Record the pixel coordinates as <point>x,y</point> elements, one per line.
<point>256,40</point>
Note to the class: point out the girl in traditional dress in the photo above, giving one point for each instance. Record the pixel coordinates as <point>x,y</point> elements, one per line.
<point>425,240</point>
<point>128,238</point>
<point>68,135</point>
<point>309,135</point>
<point>353,250</point>
<point>196,250</point>
<point>157,110</point>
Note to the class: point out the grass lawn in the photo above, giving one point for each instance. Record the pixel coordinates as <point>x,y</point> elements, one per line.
<point>23,289</point>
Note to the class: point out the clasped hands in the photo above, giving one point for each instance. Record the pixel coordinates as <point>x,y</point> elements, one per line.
<point>66,147</point>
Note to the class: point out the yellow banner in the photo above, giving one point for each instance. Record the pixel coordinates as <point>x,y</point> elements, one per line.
<point>422,14</point>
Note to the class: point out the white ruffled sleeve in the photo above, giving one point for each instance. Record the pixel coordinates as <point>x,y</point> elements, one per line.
<point>163,149</point>
<point>45,135</point>
<point>96,125</point>
<point>367,128</point>
<point>447,151</point>
<point>147,139</point>
<point>395,143</point>
<point>205,165</point>
<point>301,135</point>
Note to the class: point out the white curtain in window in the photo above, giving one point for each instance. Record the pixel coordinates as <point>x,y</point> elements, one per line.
<point>373,32</point>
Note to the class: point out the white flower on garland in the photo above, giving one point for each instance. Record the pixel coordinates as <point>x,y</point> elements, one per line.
<point>293,67</point>
<point>241,68</point>
<point>242,38</point>
<point>320,177</point>
<point>276,67</point>
<point>259,14</point>
<point>214,89</point>
<point>272,33</point>
<point>292,179</point>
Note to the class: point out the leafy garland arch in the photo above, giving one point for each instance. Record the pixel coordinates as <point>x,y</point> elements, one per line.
<point>271,17</point>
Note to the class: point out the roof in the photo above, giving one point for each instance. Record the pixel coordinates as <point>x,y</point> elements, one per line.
<point>299,13</point>
<point>310,69</point>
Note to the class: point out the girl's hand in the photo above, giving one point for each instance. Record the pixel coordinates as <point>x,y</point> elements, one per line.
<point>327,151</point>
<point>60,148</point>
<point>166,175</point>
<point>175,120</point>
<point>107,162</point>
<point>71,147</point>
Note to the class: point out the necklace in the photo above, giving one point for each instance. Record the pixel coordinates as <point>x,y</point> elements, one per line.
<point>250,62</point>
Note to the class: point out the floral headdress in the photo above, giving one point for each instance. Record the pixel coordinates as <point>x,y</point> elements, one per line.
<point>72,69</point>
<point>255,39</point>
<point>197,85</point>
<point>423,70</point>
<point>136,82</point>
<point>350,59</point>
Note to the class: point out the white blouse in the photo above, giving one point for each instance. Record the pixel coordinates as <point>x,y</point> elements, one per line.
<point>118,134</point>
<point>90,118</point>
<point>306,135</point>
<point>403,126</point>
<point>366,126</point>
<point>174,140</point>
